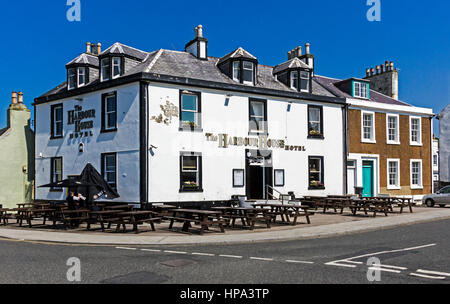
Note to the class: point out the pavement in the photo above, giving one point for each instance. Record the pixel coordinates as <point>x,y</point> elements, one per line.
<point>243,237</point>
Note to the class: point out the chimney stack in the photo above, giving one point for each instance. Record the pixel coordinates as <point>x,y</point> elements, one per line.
<point>378,69</point>
<point>14,98</point>
<point>199,46</point>
<point>372,71</point>
<point>367,72</point>
<point>20,97</point>
<point>385,80</point>
<point>386,64</point>
<point>88,47</point>
<point>307,45</point>
<point>199,31</point>
<point>99,48</point>
<point>382,69</point>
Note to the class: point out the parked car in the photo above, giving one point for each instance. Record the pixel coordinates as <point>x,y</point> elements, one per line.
<point>441,198</point>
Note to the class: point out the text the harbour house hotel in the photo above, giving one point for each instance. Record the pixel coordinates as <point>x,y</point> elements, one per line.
<point>170,126</point>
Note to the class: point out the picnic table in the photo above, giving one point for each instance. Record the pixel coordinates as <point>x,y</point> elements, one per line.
<point>286,211</point>
<point>368,205</point>
<point>336,202</point>
<point>248,216</point>
<point>119,207</point>
<point>68,216</point>
<point>163,210</point>
<point>4,216</point>
<point>204,218</point>
<point>401,202</point>
<point>103,217</point>
<point>135,218</point>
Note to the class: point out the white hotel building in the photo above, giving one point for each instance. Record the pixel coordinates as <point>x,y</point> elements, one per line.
<point>186,128</point>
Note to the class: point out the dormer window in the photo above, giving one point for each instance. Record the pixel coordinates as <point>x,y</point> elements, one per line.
<point>81,77</point>
<point>361,90</point>
<point>77,77</point>
<point>239,65</point>
<point>247,74</point>
<point>304,81</point>
<point>116,65</point>
<point>294,80</point>
<point>237,71</point>
<point>72,78</point>
<point>105,69</point>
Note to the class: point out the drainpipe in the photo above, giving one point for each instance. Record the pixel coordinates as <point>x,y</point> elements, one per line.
<point>345,145</point>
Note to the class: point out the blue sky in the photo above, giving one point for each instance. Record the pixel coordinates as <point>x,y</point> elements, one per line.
<point>37,40</point>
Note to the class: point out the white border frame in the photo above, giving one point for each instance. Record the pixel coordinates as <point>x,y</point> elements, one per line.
<point>373,140</point>
<point>419,143</point>
<point>391,142</point>
<point>416,187</point>
<point>398,186</point>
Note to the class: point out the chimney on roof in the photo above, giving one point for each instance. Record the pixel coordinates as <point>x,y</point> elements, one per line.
<point>367,72</point>
<point>385,82</point>
<point>307,45</point>
<point>14,98</point>
<point>20,97</point>
<point>99,48</point>
<point>199,46</point>
<point>88,47</point>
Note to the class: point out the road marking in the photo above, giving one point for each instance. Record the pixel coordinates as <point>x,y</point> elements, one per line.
<point>426,276</point>
<point>126,248</point>
<point>299,262</point>
<point>261,259</point>
<point>392,267</point>
<point>340,265</point>
<point>175,252</point>
<point>231,256</point>
<point>151,250</point>
<point>353,262</point>
<point>203,254</point>
<point>382,269</point>
<point>434,272</point>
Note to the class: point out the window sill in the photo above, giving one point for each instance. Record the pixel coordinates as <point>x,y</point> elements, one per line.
<point>394,188</point>
<point>316,188</point>
<point>416,188</point>
<point>415,144</point>
<point>108,131</point>
<point>191,191</point>
<point>368,141</point>
<point>253,133</point>
<point>191,129</point>
<point>316,137</point>
<point>56,137</point>
<point>393,143</point>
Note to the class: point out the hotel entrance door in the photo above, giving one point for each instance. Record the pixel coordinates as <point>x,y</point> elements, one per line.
<point>259,173</point>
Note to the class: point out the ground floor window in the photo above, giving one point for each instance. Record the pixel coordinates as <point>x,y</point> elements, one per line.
<point>109,169</point>
<point>190,172</point>
<point>416,174</point>
<point>56,172</point>
<point>316,173</point>
<point>393,173</point>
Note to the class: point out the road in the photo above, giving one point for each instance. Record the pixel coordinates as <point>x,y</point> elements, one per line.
<point>410,254</point>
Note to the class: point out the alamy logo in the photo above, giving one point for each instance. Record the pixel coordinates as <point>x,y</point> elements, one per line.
<point>74,272</point>
<point>374,13</point>
<point>374,272</point>
<point>74,12</point>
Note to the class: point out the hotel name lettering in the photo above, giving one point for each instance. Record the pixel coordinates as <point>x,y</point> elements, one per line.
<point>79,118</point>
<point>262,142</point>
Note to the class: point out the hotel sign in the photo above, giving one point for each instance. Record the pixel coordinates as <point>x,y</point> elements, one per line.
<point>79,118</point>
<point>262,142</point>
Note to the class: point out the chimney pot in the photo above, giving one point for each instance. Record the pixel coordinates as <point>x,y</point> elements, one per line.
<point>382,68</point>
<point>372,71</point>
<point>299,51</point>
<point>88,47</point>
<point>386,64</point>
<point>392,66</point>
<point>367,72</point>
<point>307,46</point>
<point>20,97</point>
<point>378,69</point>
<point>199,31</point>
<point>99,48</point>
<point>14,98</point>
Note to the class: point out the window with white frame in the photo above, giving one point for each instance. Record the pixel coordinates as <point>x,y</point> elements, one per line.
<point>392,129</point>
<point>109,112</point>
<point>435,160</point>
<point>257,117</point>
<point>56,173</point>
<point>247,72</point>
<point>116,67</point>
<point>109,169</point>
<point>360,89</point>
<point>368,127</point>
<point>105,69</point>
<point>415,130</point>
<point>81,76</point>
<point>393,169</point>
<point>190,172</point>
<point>190,105</point>
<point>237,71</point>
<point>294,80</point>
<point>304,81</point>
<point>57,121</point>
<point>416,174</point>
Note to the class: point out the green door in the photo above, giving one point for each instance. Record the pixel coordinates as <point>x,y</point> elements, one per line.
<point>368,178</point>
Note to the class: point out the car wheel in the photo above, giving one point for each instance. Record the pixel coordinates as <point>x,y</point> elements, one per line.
<point>442,206</point>
<point>429,203</point>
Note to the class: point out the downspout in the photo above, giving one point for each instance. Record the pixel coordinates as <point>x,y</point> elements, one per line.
<point>345,145</point>
<point>143,142</point>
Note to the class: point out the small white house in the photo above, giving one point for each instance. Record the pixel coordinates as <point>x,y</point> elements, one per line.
<point>183,127</point>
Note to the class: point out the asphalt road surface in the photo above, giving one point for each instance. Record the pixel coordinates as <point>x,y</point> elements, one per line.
<point>410,254</point>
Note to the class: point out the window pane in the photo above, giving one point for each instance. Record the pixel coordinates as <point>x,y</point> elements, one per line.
<point>248,75</point>
<point>111,120</point>
<point>188,117</point>
<point>236,71</point>
<point>257,109</point>
<point>189,102</point>
<point>314,114</point>
<point>106,69</point>
<point>111,104</point>
<point>116,66</point>
<point>190,163</point>
<point>294,80</point>
<point>248,65</point>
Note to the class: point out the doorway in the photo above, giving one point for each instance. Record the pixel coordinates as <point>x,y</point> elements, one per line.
<point>259,170</point>
<point>351,177</point>
<point>368,179</point>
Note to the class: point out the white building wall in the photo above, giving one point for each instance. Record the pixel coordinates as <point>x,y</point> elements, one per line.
<point>222,117</point>
<point>124,142</point>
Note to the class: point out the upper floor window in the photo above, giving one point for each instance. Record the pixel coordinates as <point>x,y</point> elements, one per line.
<point>361,89</point>
<point>304,81</point>
<point>315,125</point>
<point>109,112</point>
<point>258,116</point>
<point>247,72</point>
<point>393,173</point>
<point>116,67</point>
<point>294,80</point>
<point>236,71</point>
<point>392,129</point>
<point>105,69</point>
<point>415,130</point>
<point>109,169</point>
<point>72,78</point>
<point>81,76</point>
<point>190,107</point>
<point>368,127</point>
<point>57,121</point>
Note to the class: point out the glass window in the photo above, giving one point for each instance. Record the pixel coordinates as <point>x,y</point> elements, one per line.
<point>415,131</point>
<point>81,77</point>
<point>416,174</point>
<point>393,173</point>
<point>56,171</point>
<point>72,78</point>
<point>237,71</point>
<point>304,81</point>
<point>106,69</point>
<point>257,117</point>
<point>116,67</point>
<point>368,126</point>
<point>393,129</point>
<point>190,173</point>
<point>109,167</point>
<point>315,121</point>
<point>190,110</point>
<point>247,72</point>
<point>316,173</point>
<point>57,115</point>
<point>294,80</point>
<point>360,89</point>
<point>110,112</point>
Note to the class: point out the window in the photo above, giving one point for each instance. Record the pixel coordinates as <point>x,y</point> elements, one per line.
<point>105,69</point>
<point>238,178</point>
<point>117,69</point>
<point>81,77</point>
<point>316,173</point>
<point>361,90</point>
<point>416,174</point>
<point>393,170</point>
<point>57,121</point>
<point>190,175</point>
<point>56,171</point>
<point>304,81</point>
<point>109,112</point>
<point>236,71</point>
<point>435,160</point>
<point>315,117</point>
<point>279,178</point>
<point>72,78</point>
<point>294,80</point>
<point>416,131</point>
<point>368,127</point>
<point>190,105</point>
<point>247,72</point>
<point>258,116</point>
<point>109,169</point>
<point>392,129</point>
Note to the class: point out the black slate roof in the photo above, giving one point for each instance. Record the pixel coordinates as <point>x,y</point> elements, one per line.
<point>290,64</point>
<point>85,59</point>
<point>329,84</point>
<point>238,53</point>
<point>119,48</point>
